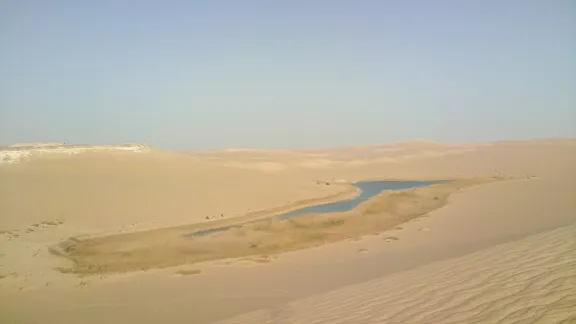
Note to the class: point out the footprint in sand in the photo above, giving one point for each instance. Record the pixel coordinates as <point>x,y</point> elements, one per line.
<point>44,224</point>
<point>48,224</point>
<point>390,239</point>
<point>6,233</point>
<point>10,234</point>
<point>82,284</point>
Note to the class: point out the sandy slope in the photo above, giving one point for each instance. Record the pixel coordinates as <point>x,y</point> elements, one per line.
<point>107,193</point>
<point>532,280</point>
<point>48,200</point>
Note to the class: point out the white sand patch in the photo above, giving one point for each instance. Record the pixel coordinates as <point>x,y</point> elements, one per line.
<point>22,152</point>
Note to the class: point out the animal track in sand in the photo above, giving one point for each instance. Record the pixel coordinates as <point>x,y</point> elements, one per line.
<point>32,228</point>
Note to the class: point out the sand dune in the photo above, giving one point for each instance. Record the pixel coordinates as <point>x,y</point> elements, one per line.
<point>511,243</point>
<point>532,280</point>
<point>106,192</point>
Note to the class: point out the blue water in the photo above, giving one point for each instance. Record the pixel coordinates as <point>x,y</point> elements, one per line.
<point>368,189</point>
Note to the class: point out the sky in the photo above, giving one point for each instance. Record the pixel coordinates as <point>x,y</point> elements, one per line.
<point>204,75</point>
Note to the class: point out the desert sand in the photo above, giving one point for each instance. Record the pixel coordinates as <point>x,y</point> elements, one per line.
<point>518,282</point>
<point>497,251</point>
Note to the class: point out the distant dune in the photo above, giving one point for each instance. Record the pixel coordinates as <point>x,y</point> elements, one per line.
<point>501,252</point>
<point>21,152</point>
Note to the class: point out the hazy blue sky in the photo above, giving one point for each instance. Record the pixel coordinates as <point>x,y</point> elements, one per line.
<point>286,74</point>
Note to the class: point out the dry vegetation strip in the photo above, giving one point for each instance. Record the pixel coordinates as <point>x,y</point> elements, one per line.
<point>169,247</point>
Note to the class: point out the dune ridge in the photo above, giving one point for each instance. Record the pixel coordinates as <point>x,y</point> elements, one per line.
<point>532,280</point>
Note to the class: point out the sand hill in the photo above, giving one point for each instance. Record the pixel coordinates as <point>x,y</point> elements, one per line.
<point>496,252</point>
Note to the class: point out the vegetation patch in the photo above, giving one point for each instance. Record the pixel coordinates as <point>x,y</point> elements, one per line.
<point>172,247</point>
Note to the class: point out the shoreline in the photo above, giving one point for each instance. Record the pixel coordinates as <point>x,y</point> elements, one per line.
<point>168,247</point>
<point>351,192</point>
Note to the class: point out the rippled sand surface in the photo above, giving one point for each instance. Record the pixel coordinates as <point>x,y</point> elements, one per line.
<point>532,280</point>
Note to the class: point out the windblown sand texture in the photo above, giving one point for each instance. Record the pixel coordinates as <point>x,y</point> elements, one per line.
<point>498,251</point>
<point>532,280</point>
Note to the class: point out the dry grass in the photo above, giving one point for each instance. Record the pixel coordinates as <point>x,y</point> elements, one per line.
<point>170,247</point>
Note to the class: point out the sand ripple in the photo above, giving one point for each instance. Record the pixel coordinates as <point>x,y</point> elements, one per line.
<point>528,281</point>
